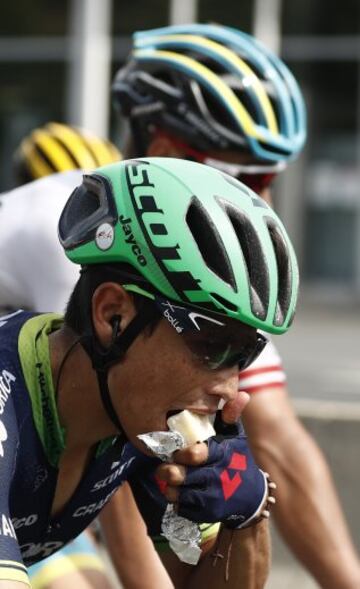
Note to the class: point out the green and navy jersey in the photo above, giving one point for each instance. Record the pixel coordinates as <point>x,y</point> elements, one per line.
<point>31,443</point>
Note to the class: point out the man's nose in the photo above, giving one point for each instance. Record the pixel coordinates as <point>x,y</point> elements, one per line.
<point>225,385</point>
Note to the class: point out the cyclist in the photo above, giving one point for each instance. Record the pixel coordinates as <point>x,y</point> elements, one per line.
<point>54,278</point>
<point>153,303</point>
<point>216,95</point>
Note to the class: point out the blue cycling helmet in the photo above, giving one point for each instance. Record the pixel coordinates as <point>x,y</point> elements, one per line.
<point>214,87</point>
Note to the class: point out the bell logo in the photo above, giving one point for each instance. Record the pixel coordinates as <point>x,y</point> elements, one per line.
<point>229,485</point>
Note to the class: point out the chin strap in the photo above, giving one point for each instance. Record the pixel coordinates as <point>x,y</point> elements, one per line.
<point>106,399</point>
<point>103,358</point>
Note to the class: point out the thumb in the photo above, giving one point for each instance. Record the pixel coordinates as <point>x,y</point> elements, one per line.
<point>233,409</point>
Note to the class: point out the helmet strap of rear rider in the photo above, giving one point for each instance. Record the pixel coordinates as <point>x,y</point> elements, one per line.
<point>138,134</point>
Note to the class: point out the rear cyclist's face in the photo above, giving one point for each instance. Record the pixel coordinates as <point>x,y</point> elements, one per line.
<point>161,375</point>
<point>163,146</point>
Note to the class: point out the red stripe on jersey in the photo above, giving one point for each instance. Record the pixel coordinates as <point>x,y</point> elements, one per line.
<point>252,371</point>
<point>263,387</point>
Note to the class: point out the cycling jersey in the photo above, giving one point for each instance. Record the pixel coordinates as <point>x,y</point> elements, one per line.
<point>266,372</point>
<point>31,443</point>
<point>34,273</point>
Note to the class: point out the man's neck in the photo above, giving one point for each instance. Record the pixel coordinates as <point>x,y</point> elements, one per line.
<point>80,409</point>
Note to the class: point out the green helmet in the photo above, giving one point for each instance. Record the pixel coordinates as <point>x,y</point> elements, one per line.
<point>191,233</point>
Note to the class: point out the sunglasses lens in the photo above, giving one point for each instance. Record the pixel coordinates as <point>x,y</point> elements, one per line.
<point>214,343</point>
<point>245,360</point>
<point>216,355</point>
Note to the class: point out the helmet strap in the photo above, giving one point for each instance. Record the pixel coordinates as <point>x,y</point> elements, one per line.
<point>138,135</point>
<point>103,358</point>
<point>102,378</point>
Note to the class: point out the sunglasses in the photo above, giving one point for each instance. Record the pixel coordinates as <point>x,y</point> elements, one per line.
<point>215,344</point>
<point>256,177</point>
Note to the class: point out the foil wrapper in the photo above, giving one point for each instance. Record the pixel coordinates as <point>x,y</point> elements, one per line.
<point>183,535</point>
<point>163,444</point>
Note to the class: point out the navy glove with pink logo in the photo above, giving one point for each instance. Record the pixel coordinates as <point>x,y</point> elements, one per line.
<point>229,487</point>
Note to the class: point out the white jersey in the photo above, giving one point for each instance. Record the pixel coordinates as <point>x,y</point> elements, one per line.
<point>34,271</point>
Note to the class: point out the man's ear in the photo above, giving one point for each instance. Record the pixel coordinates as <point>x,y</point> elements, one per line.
<point>111,300</point>
<point>162,146</point>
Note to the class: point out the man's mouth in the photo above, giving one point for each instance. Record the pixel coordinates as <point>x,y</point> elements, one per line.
<point>196,410</point>
<point>194,427</point>
<point>173,412</point>
<point>199,411</point>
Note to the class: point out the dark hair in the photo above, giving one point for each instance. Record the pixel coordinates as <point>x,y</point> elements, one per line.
<point>78,314</point>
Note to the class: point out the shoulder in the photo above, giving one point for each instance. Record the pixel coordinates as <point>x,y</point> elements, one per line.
<point>48,191</point>
<point>13,405</point>
<point>11,325</point>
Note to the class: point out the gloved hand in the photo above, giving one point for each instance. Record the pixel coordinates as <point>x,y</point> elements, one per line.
<point>228,487</point>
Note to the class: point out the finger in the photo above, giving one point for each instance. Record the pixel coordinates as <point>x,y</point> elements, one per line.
<point>172,494</point>
<point>233,409</point>
<point>172,474</point>
<point>270,500</point>
<point>271,483</point>
<point>193,455</point>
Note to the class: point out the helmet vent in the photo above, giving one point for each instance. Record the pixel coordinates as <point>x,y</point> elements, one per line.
<point>224,303</point>
<point>41,153</point>
<point>276,150</point>
<point>209,242</point>
<point>254,259</point>
<point>214,108</point>
<point>283,270</point>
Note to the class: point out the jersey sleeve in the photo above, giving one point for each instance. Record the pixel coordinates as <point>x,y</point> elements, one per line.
<point>266,372</point>
<point>11,564</point>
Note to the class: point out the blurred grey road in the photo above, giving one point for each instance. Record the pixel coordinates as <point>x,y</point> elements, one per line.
<point>321,353</point>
